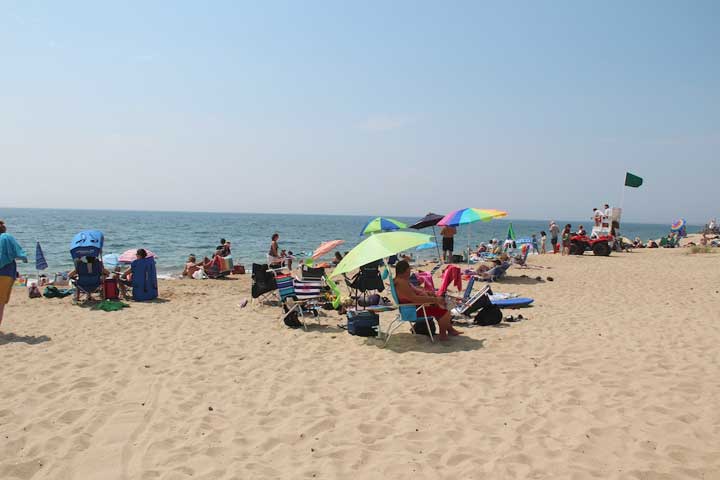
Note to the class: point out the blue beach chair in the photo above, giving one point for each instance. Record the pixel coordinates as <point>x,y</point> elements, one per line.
<point>407,313</point>
<point>86,251</point>
<point>89,275</point>
<point>144,279</point>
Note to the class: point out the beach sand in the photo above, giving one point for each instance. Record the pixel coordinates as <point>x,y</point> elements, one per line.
<point>615,374</point>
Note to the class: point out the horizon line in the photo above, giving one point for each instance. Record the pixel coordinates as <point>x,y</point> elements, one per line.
<point>692,223</point>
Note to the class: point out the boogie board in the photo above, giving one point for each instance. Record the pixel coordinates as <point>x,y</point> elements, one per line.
<point>512,302</point>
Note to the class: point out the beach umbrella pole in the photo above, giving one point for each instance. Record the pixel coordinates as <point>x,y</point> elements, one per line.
<point>437,245</point>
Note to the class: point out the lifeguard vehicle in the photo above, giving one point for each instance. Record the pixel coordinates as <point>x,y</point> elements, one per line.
<point>602,236</point>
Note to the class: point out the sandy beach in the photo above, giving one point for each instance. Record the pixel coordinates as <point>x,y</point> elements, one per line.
<point>615,374</point>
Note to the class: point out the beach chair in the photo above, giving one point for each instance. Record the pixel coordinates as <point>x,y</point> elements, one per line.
<point>521,260</point>
<point>309,273</point>
<point>144,279</point>
<point>89,276</point>
<point>264,285</point>
<point>366,280</point>
<point>291,301</point>
<point>222,270</point>
<point>496,273</point>
<point>308,289</point>
<point>407,313</point>
<point>472,303</point>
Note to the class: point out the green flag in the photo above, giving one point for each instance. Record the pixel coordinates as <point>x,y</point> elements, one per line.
<point>511,233</point>
<point>632,180</point>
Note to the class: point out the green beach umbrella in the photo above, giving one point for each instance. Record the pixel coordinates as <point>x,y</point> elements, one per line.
<point>378,246</point>
<point>381,224</point>
<point>511,233</point>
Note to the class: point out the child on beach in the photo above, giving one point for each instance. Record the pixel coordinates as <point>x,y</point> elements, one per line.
<point>535,246</point>
<point>543,238</point>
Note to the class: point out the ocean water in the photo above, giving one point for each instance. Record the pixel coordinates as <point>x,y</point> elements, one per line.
<point>174,235</point>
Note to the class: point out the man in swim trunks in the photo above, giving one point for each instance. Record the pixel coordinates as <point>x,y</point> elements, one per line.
<point>434,305</point>
<point>448,242</point>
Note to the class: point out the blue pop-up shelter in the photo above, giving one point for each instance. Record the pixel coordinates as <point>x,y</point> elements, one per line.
<point>88,243</point>
<point>86,251</point>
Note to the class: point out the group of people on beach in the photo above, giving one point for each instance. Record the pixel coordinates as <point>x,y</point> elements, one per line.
<point>195,269</point>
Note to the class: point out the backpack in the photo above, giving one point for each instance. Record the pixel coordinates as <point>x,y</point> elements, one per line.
<point>292,319</point>
<point>420,328</point>
<point>490,315</point>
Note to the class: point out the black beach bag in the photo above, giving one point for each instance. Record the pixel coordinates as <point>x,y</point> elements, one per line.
<point>489,315</point>
<point>421,328</point>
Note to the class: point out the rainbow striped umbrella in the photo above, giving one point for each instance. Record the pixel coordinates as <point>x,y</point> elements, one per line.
<point>465,216</point>
<point>381,224</point>
<point>677,225</point>
<point>470,215</point>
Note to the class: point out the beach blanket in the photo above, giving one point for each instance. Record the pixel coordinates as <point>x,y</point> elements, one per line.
<point>10,250</point>
<point>54,292</point>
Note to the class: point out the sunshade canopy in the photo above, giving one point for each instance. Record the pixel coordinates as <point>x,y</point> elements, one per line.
<point>379,246</point>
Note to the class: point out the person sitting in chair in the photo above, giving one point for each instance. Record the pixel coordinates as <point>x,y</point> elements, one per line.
<point>125,280</point>
<point>338,258</point>
<point>434,305</point>
<point>92,263</point>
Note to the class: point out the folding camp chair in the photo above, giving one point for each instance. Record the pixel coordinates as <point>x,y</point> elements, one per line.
<point>367,279</point>
<point>264,285</point>
<point>407,313</point>
<point>472,303</point>
<point>89,276</point>
<point>310,273</point>
<point>291,301</point>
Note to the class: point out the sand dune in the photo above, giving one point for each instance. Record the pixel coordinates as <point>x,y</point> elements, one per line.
<point>616,374</point>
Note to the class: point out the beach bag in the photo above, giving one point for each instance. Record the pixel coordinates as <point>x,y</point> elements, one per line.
<point>52,291</point>
<point>363,323</point>
<point>487,316</point>
<point>238,270</point>
<point>420,328</point>
<point>369,300</point>
<point>291,319</point>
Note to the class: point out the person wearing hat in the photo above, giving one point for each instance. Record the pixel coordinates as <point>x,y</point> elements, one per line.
<point>554,232</point>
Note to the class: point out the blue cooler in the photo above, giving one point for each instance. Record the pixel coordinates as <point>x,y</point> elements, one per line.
<point>363,323</point>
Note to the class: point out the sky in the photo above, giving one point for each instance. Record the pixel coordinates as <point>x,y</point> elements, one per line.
<point>378,108</point>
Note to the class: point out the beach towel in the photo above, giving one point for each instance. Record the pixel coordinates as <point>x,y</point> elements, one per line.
<point>426,281</point>
<point>452,275</point>
<point>10,250</point>
<point>110,305</point>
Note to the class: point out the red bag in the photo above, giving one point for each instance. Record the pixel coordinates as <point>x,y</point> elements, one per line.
<point>239,270</point>
<point>110,289</point>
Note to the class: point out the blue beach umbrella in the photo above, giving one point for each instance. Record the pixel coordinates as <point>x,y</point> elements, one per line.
<point>426,246</point>
<point>40,262</point>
